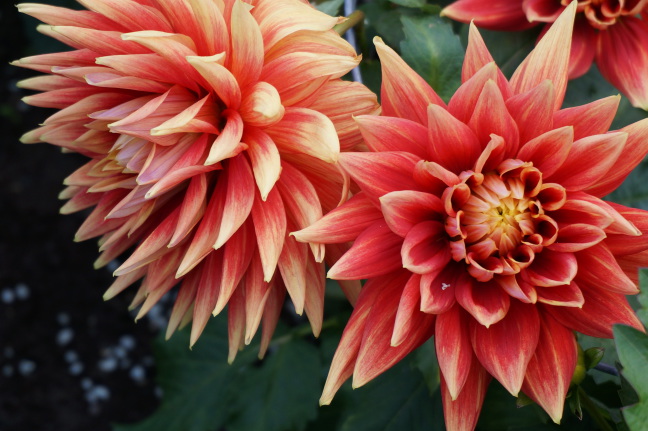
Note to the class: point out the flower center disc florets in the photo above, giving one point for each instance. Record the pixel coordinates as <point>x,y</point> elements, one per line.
<point>498,221</point>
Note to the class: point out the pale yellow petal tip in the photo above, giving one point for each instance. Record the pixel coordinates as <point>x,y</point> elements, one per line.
<point>378,40</point>
<point>325,401</point>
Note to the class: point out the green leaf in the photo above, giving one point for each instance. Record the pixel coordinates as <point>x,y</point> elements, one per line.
<point>632,346</point>
<point>424,358</point>
<point>409,3</point>
<point>329,7</point>
<point>282,393</point>
<point>397,400</point>
<point>196,382</point>
<point>434,52</point>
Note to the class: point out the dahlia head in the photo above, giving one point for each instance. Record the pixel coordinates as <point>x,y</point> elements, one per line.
<point>480,222</point>
<point>614,34</point>
<point>212,129</point>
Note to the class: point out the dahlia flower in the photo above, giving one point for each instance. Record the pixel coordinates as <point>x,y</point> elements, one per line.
<point>212,131</point>
<point>612,33</point>
<point>481,222</point>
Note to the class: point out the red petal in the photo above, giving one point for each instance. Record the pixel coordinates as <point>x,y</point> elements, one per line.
<point>347,351</point>
<point>375,252</point>
<point>403,92</point>
<point>569,295</point>
<point>425,248</point>
<point>237,255</point>
<point>602,309</point>
<point>549,59</point>
<point>552,268</point>
<point>393,134</point>
<point>592,119</point>
<point>269,219</point>
<point>533,111</point>
<point>381,173</point>
<point>452,144</point>
<point>589,160</point>
<point>548,151</point>
<point>462,413</point>
<point>598,266</point>
<point>376,354</point>
<point>495,15</point>
<point>550,370</point>
<point>577,237</point>
<point>506,348</point>
<point>409,305</point>
<point>622,58</point>
<point>620,244</point>
<point>477,56</point>
<point>405,209</point>
<point>583,48</point>
<point>492,117</point>
<point>438,289</point>
<point>634,151</point>
<point>487,303</point>
<point>453,349</point>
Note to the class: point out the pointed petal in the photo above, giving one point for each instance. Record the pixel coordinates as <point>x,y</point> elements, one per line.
<point>228,143</point>
<point>405,209</point>
<point>568,295</point>
<point>304,131</point>
<point>602,309</point>
<point>548,151</point>
<point>404,93</point>
<point>239,198</point>
<point>577,237</point>
<point>600,268</point>
<point>486,302</point>
<point>425,248</point>
<point>237,254</point>
<point>492,117</point>
<point>550,370</point>
<point>589,160</point>
<point>207,293</point>
<point>552,268</point>
<point>375,252</point>
<point>269,219</point>
<point>453,349</point>
<point>622,56</point>
<point>495,15</point>
<point>462,414</point>
<point>380,173</point>
<point>549,59</point>
<point>634,151</point>
<point>292,265</point>
<point>334,227</point>
<point>219,78</point>
<point>236,324</point>
<point>271,313</point>
<point>620,244</point>
<point>438,289</point>
<point>595,118</point>
<point>533,111</point>
<point>408,305</point>
<point>347,351</point>
<point>265,158</point>
<point>477,56</point>
<point>393,134</point>
<point>301,201</point>
<point>246,56</point>
<point>452,144</point>
<point>506,347</point>
<point>376,354</point>
<point>256,294</point>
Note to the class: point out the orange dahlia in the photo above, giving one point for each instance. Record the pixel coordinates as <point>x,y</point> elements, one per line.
<point>481,222</point>
<point>212,130</point>
<point>614,33</point>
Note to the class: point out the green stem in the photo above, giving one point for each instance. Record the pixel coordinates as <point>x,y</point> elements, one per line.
<point>351,21</point>
<point>593,410</point>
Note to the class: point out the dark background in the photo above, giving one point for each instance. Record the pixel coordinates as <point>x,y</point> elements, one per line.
<point>68,360</point>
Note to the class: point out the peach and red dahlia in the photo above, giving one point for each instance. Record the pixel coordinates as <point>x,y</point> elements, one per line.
<point>611,32</point>
<point>481,222</point>
<point>212,131</point>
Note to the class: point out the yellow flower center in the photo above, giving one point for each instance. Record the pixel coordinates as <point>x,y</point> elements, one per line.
<point>498,221</point>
